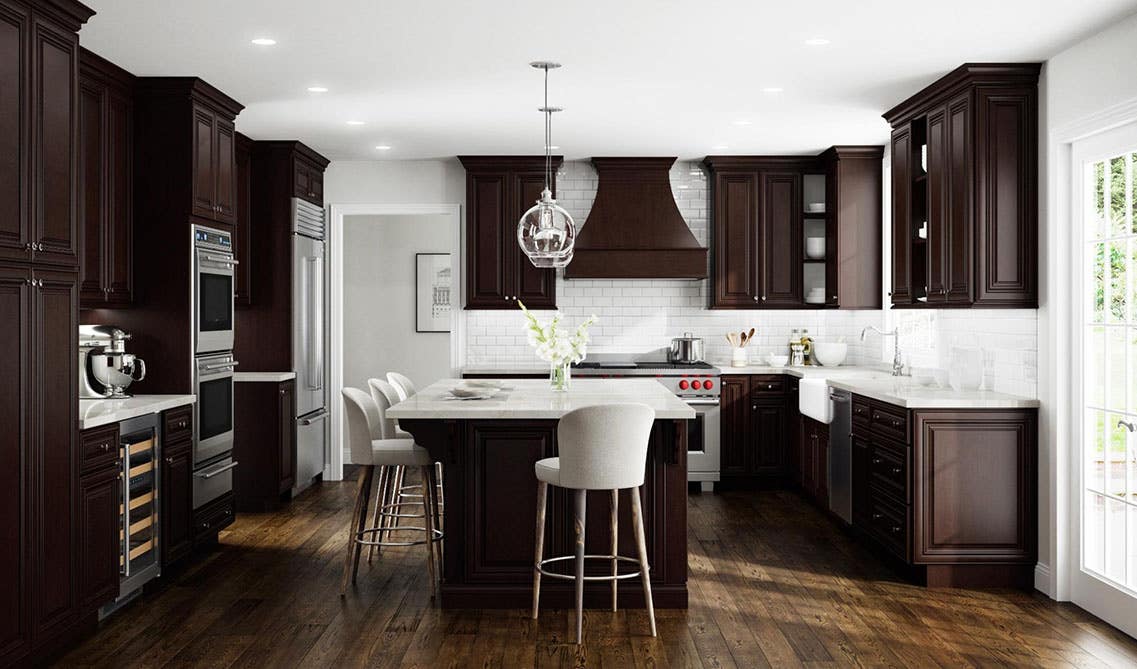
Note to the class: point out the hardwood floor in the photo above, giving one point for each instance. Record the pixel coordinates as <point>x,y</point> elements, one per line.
<point>772,581</point>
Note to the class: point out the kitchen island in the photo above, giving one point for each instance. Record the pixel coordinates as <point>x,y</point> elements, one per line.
<point>488,449</point>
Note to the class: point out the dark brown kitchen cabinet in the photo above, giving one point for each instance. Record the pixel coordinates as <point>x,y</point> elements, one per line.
<point>964,191</point>
<point>177,500</point>
<point>39,49</point>
<point>308,179</point>
<point>499,190</point>
<point>754,427</point>
<point>758,229</point>
<point>243,221</point>
<point>100,494</point>
<point>264,442</point>
<point>186,129</point>
<point>106,147</point>
<point>949,491</point>
<point>814,449</point>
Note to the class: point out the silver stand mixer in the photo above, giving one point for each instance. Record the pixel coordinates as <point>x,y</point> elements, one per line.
<point>106,370</point>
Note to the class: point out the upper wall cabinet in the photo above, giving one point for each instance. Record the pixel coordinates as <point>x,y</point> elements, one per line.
<point>106,147</point>
<point>965,190</point>
<point>242,228</point>
<point>796,232</point>
<point>499,189</point>
<point>187,147</point>
<point>39,98</point>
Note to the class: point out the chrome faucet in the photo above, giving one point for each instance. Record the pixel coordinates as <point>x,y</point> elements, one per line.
<point>897,364</point>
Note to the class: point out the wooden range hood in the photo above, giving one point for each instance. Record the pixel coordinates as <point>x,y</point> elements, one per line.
<point>634,230</point>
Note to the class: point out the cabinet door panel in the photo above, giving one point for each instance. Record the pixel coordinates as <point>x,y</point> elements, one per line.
<point>15,439</point>
<point>862,475</point>
<point>535,287</point>
<point>316,183</point>
<point>177,501</point>
<point>735,425</point>
<point>119,194</point>
<point>55,106</point>
<point>499,473</point>
<point>939,181</point>
<point>55,450</point>
<point>780,236</point>
<point>91,194</point>
<point>242,228</point>
<point>768,434</point>
<point>99,498</point>
<point>15,221</point>
<point>901,216</point>
<point>959,250</point>
<point>225,173</point>
<point>287,411</point>
<point>488,267</point>
<point>736,240</point>
<point>204,161</point>
<point>1006,202</point>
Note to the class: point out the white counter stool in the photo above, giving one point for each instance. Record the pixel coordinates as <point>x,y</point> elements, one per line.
<point>365,417</point>
<point>394,493</point>
<point>403,385</point>
<point>601,448</point>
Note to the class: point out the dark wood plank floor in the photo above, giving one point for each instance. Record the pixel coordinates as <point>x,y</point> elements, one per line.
<point>772,583</point>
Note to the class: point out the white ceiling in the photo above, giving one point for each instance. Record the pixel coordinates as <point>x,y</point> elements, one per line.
<point>640,77</point>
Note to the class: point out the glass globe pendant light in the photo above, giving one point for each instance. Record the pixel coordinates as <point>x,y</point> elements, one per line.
<point>547,232</point>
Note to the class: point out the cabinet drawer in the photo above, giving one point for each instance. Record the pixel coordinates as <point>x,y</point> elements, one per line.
<point>890,421</point>
<point>861,411</point>
<point>178,424</point>
<point>213,517</point>
<point>767,385</point>
<point>888,522</point>
<point>889,467</point>
<point>98,447</point>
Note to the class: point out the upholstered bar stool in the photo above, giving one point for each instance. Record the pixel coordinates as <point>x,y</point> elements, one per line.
<point>601,448</point>
<point>365,417</point>
<point>405,388</point>
<point>396,499</point>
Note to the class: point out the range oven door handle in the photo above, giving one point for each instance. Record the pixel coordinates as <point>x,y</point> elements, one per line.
<point>210,473</point>
<point>702,402</point>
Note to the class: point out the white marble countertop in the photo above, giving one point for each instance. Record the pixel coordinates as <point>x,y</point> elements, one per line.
<point>534,399</point>
<point>903,392</point>
<point>262,377</point>
<point>800,372</point>
<point>507,368</point>
<point>95,413</point>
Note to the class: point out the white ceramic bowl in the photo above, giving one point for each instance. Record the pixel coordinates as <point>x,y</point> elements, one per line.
<point>815,208</point>
<point>815,247</point>
<point>830,354</point>
<point>775,360</point>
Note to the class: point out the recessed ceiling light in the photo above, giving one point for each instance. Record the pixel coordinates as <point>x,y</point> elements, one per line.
<point>317,89</point>
<point>383,147</point>
<point>772,89</point>
<point>817,41</point>
<point>264,41</point>
<point>356,122</point>
<point>743,121</point>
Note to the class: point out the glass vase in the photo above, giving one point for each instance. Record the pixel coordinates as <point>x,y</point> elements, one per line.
<point>559,376</point>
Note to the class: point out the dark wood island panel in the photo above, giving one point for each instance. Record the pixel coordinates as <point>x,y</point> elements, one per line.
<point>491,506</point>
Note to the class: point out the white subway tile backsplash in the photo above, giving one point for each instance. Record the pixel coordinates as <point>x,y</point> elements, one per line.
<point>639,315</point>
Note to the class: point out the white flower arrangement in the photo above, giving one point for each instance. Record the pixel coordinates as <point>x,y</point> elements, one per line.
<point>553,344</point>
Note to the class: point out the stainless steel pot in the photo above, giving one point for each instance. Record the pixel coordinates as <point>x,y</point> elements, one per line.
<point>686,349</point>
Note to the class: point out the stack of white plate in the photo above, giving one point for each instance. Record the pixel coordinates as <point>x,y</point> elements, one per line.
<point>475,389</point>
<point>815,296</point>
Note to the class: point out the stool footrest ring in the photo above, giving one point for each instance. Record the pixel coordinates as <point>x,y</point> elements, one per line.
<point>540,566</point>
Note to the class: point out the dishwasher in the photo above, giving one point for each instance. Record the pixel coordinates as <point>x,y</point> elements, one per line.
<point>841,455</point>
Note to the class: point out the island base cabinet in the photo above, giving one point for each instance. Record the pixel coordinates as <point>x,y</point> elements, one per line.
<point>490,511</point>
<point>954,498</point>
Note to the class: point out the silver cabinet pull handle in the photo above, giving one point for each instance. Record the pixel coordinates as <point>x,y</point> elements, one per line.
<point>1127,425</point>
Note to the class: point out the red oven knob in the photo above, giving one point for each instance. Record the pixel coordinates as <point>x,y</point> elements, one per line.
<point>696,384</point>
<point>708,384</point>
<point>683,385</point>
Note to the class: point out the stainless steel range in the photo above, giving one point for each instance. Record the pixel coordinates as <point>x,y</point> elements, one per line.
<point>696,383</point>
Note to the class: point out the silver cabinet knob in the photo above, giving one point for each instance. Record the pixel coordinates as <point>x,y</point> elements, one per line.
<point>763,298</point>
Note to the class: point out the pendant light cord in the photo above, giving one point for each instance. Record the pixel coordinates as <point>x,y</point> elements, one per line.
<point>548,130</point>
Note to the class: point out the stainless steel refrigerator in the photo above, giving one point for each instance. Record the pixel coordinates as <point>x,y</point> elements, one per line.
<point>309,350</point>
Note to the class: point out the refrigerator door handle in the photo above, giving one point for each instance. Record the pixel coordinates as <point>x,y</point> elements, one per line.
<point>316,377</point>
<point>314,419</point>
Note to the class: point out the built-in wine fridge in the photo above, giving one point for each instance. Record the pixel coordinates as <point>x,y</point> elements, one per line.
<point>139,446</point>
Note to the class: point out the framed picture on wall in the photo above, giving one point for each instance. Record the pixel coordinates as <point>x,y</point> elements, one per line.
<point>433,290</point>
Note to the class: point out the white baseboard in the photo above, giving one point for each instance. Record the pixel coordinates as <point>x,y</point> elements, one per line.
<point>1042,581</point>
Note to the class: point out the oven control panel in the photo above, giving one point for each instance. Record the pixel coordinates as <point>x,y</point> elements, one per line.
<point>692,385</point>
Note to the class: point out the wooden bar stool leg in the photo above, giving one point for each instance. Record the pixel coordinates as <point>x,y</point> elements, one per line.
<point>641,549</point>
<point>428,523</point>
<point>358,520</point>
<point>542,491</point>
<point>613,521</point>
<point>379,501</point>
<point>579,510</point>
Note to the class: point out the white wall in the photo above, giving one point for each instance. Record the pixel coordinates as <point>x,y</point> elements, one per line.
<point>379,298</point>
<point>396,181</point>
<point>1085,80</point>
